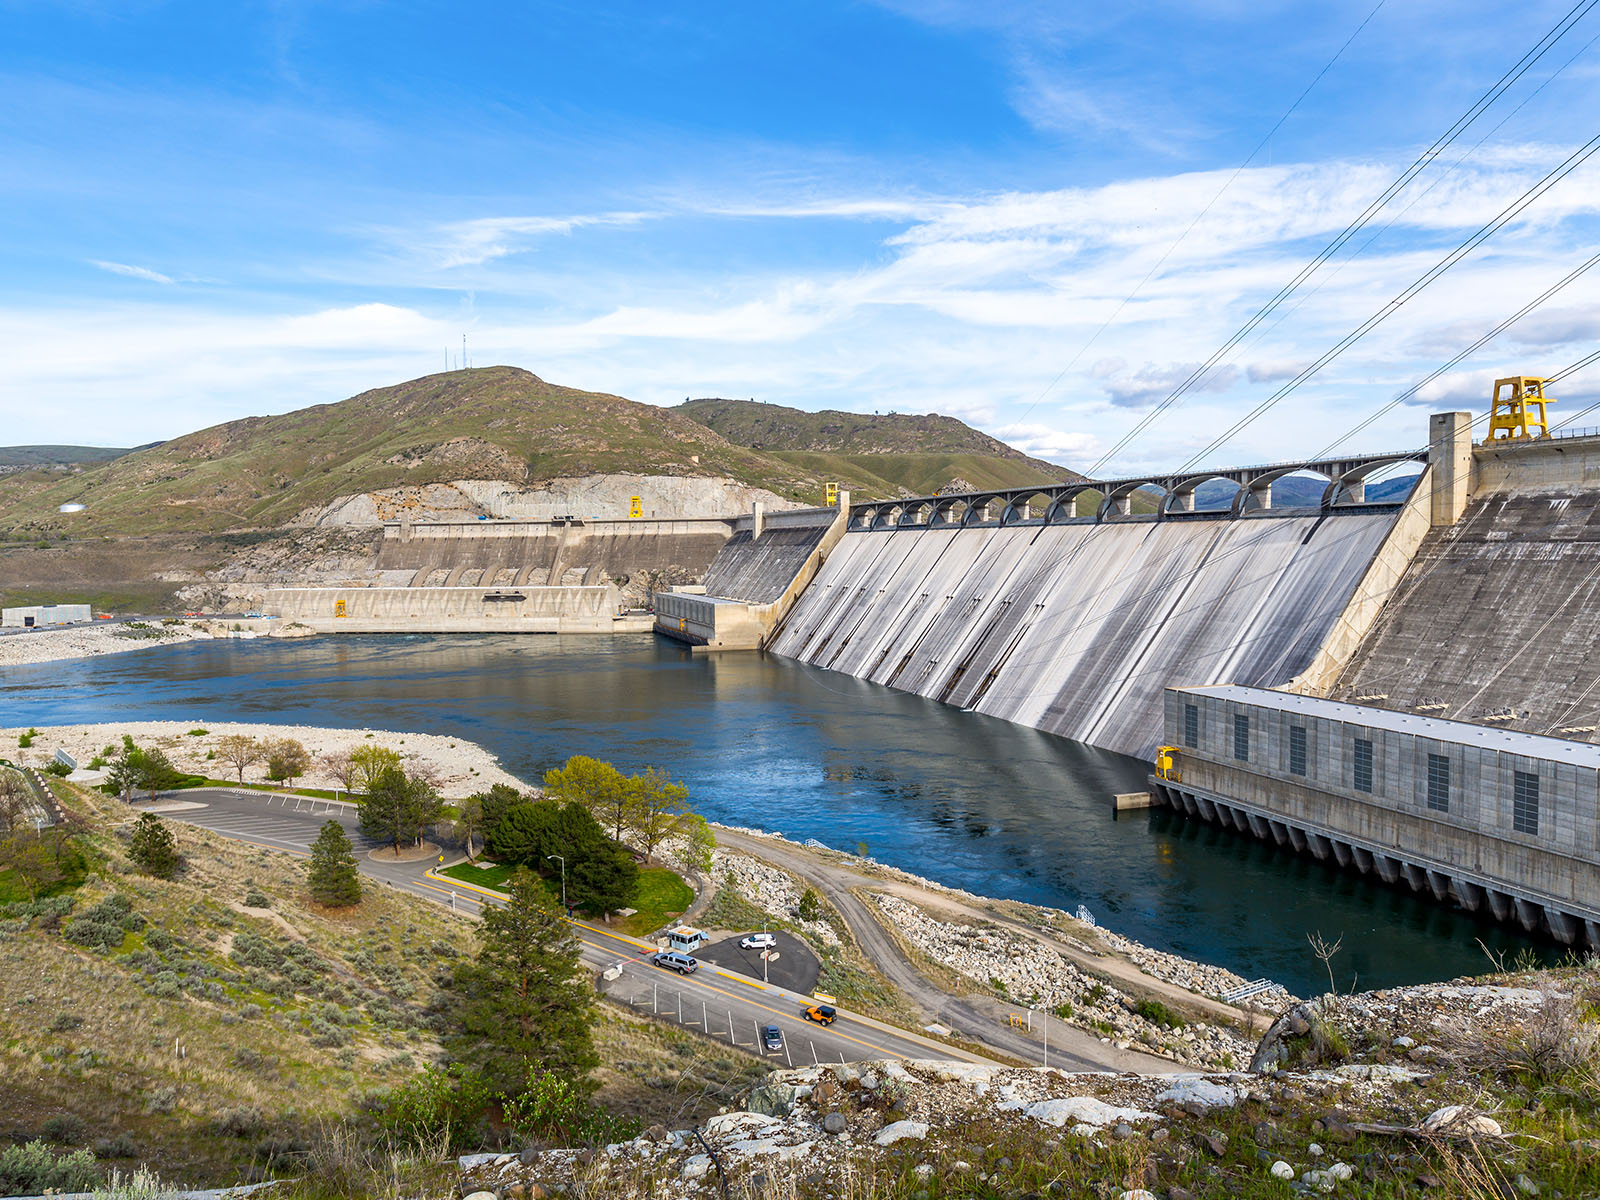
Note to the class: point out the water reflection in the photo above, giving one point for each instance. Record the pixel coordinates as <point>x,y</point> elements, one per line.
<point>965,799</point>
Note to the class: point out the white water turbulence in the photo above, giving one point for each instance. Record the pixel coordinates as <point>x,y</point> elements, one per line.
<point>1076,629</point>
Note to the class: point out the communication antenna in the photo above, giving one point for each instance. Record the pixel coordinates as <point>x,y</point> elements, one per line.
<point>464,364</point>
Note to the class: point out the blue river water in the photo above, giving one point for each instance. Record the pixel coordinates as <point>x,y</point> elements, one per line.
<point>761,741</point>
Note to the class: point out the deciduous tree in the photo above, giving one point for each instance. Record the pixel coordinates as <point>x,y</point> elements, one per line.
<point>152,847</point>
<point>239,751</point>
<point>598,786</point>
<point>660,808</point>
<point>155,771</point>
<point>286,759</point>
<point>332,873</point>
<point>371,762</point>
<point>468,822</point>
<point>524,1001</point>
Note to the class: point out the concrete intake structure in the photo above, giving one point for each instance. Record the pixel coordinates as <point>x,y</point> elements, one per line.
<point>1500,822</point>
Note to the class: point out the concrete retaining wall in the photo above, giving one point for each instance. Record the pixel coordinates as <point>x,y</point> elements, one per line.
<point>455,610</point>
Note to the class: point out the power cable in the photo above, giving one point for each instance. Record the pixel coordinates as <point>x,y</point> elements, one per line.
<point>1503,218</point>
<point>1204,212</point>
<point>1470,350</point>
<point>1517,70</point>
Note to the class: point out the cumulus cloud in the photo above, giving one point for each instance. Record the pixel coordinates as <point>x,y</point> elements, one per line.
<point>1048,442</point>
<point>1153,382</point>
<point>131,271</point>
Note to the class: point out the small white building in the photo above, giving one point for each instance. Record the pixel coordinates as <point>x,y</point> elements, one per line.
<point>38,615</point>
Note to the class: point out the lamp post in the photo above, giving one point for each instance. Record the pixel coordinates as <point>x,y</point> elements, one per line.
<point>564,907</point>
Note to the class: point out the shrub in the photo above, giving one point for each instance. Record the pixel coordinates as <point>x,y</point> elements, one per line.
<point>162,1100</point>
<point>65,1021</point>
<point>65,1130</point>
<point>555,1110</point>
<point>119,1145</point>
<point>1158,1013</point>
<point>439,1106</point>
<point>26,739</point>
<point>34,1168</point>
<point>810,907</point>
<point>241,1122</point>
<point>198,732</point>
<point>59,769</point>
<point>255,898</point>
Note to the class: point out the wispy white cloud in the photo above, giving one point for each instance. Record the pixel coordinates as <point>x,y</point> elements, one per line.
<point>468,243</point>
<point>131,271</point>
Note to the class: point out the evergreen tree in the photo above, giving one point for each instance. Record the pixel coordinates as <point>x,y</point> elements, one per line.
<point>523,833</point>
<point>152,847</point>
<point>494,804</point>
<point>332,874</point>
<point>524,1000</point>
<point>398,808</point>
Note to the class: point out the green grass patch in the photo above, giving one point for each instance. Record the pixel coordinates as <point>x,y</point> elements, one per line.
<point>662,893</point>
<point>70,860</point>
<point>495,877</point>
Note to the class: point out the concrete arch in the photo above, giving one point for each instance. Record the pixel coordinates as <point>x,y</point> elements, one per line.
<point>1026,506</point>
<point>1349,486</point>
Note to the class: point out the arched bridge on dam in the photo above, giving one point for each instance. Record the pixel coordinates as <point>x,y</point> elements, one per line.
<point>1056,504</point>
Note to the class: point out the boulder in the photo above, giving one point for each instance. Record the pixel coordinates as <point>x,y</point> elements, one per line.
<point>900,1130</point>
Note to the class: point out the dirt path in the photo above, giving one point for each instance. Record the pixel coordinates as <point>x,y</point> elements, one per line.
<point>978,1017</point>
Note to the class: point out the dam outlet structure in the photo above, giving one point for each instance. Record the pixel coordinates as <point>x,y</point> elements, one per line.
<point>1494,820</point>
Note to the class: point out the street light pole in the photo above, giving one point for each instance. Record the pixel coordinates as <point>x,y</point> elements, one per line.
<point>564,907</point>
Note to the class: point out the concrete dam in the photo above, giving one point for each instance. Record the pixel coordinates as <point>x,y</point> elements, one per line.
<point>1077,629</point>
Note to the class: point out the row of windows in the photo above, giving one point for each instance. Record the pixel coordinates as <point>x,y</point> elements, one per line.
<point>1525,784</point>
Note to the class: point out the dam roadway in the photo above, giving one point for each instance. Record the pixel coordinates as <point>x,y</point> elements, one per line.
<point>719,1003</point>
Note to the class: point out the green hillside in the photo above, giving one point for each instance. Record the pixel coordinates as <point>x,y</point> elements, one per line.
<point>490,423</point>
<point>921,453</point>
<point>15,457</point>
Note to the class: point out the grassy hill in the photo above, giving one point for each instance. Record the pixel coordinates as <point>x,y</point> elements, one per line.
<point>490,423</point>
<point>889,451</point>
<point>57,456</point>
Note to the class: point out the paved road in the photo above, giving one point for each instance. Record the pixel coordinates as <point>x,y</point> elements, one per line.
<point>977,1019</point>
<point>721,1003</point>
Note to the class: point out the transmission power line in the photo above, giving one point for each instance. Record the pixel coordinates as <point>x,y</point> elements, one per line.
<point>1204,212</point>
<point>1425,159</point>
<point>1483,341</point>
<point>1505,216</point>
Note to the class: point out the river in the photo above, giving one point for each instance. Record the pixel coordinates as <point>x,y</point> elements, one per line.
<point>764,742</point>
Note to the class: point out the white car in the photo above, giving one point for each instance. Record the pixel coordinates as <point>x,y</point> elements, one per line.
<point>759,941</point>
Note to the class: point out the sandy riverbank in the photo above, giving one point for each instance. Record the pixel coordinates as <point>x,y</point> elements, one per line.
<point>459,767</point>
<point>91,641</point>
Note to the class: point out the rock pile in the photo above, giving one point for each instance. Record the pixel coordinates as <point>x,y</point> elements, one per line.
<point>811,1127</point>
<point>770,889</point>
<point>1036,976</point>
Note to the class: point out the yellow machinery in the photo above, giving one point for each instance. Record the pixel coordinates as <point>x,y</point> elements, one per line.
<point>1167,763</point>
<point>1519,414</point>
<point>830,494</point>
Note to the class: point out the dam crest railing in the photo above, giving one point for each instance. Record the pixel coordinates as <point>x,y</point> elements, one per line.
<point>1058,503</point>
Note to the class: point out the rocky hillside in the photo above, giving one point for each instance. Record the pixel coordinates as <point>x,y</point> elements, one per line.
<point>1474,1089</point>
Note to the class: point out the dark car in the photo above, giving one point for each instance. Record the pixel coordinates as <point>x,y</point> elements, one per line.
<point>772,1039</point>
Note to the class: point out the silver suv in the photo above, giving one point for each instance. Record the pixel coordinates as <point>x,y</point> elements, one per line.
<point>673,961</point>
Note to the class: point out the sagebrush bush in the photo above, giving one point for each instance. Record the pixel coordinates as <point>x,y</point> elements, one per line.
<point>35,1168</point>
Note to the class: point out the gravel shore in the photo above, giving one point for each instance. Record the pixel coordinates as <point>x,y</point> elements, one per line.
<point>57,645</point>
<point>459,767</point>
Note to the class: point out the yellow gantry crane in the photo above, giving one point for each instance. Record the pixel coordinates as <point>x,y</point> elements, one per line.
<point>1518,414</point>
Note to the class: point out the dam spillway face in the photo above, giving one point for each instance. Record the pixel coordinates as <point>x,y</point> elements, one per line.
<point>757,570</point>
<point>1497,620</point>
<point>1076,629</point>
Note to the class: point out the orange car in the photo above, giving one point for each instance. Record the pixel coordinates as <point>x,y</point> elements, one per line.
<point>822,1014</point>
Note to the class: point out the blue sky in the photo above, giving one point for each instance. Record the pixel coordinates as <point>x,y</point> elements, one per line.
<point>215,210</point>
